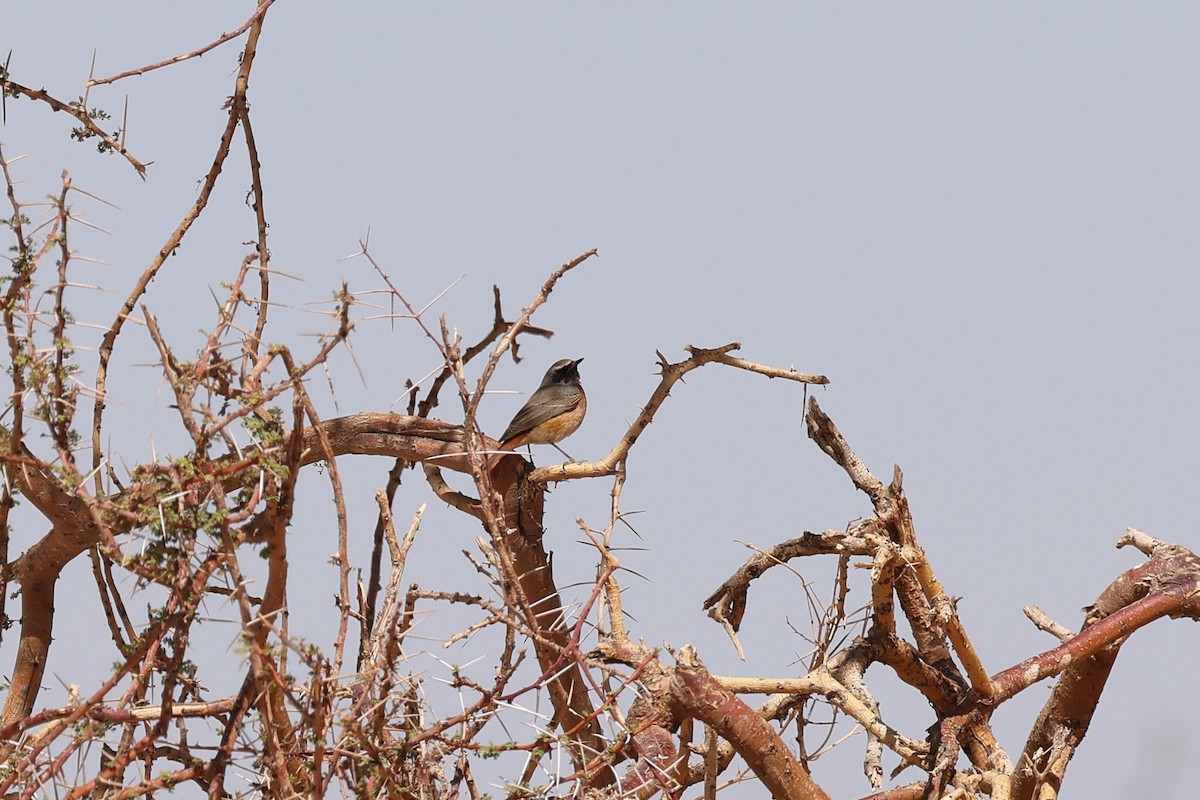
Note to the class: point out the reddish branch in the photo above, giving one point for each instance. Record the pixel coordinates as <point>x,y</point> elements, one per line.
<point>1164,586</point>
<point>753,738</point>
<point>901,575</point>
<point>940,661</point>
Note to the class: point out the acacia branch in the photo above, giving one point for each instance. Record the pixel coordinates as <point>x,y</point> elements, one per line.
<point>671,374</point>
<point>755,740</point>
<point>1166,585</point>
<point>509,338</point>
<point>728,603</point>
<point>236,105</point>
<point>73,530</point>
<point>822,681</point>
<point>79,112</point>
<point>222,39</point>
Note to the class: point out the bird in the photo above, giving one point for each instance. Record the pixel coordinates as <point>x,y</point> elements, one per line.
<point>553,412</point>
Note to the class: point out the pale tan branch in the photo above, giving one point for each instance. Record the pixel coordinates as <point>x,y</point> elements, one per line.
<point>222,39</point>
<point>81,115</point>
<point>1043,622</point>
<point>449,495</point>
<point>822,431</point>
<point>670,375</point>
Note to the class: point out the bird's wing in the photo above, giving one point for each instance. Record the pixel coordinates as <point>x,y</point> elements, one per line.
<point>541,408</point>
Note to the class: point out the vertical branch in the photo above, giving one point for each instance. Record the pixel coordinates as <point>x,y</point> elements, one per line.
<point>254,341</point>
<point>374,573</point>
<point>38,569</point>
<point>538,601</point>
<point>506,341</point>
<point>305,406</point>
<point>60,408</point>
<point>18,284</point>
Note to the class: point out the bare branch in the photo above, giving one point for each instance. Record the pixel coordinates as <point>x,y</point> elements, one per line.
<point>220,40</point>
<point>671,374</point>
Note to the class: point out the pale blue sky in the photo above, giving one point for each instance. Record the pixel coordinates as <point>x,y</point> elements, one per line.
<point>978,221</point>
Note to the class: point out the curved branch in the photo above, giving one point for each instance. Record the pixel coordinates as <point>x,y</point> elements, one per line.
<point>671,374</point>
<point>728,603</point>
<point>449,495</point>
<point>222,39</point>
<point>73,530</point>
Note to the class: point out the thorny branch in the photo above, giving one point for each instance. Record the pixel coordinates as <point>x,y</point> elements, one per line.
<point>302,725</point>
<point>671,374</point>
<point>1163,586</point>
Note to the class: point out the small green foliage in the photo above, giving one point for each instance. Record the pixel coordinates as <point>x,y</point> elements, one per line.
<point>494,751</point>
<point>266,424</point>
<point>82,133</point>
<point>89,729</point>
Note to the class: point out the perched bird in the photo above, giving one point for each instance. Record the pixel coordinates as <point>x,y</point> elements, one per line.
<point>553,412</point>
